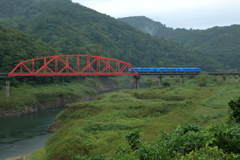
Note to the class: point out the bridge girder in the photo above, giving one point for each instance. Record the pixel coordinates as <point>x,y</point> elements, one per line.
<point>72,65</point>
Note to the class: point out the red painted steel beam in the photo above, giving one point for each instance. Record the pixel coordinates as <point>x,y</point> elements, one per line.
<point>74,74</point>
<point>95,66</point>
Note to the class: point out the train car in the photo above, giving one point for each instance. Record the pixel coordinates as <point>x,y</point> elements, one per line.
<point>142,70</point>
<point>166,70</point>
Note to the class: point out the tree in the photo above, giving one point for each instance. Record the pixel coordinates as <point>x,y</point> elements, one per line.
<point>202,79</point>
<point>219,80</point>
<point>149,83</point>
<point>166,84</point>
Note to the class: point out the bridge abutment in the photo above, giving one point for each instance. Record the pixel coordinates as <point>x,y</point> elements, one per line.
<point>8,89</point>
<point>136,82</point>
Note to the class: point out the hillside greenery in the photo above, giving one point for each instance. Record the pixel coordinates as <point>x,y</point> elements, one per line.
<point>147,25</point>
<point>71,28</point>
<point>219,43</point>
<point>159,122</point>
<point>29,96</point>
<point>17,46</point>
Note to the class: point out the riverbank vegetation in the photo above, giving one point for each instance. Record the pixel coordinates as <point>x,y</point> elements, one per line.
<point>29,96</point>
<point>26,95</point>
<point>171,122</point>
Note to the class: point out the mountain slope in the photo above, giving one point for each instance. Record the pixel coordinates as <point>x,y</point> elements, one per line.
<point>224,48</point>
<point>219,43</point>
<point>74,29</point>
<point>16,46</point>
<point>154,28</point>
<point>196,38</point>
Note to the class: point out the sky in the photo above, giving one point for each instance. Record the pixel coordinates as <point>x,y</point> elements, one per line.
<point>189,14</point>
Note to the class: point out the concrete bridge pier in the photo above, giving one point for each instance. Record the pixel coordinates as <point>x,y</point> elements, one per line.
<point>160,80</point>
<point>136,82</point>
<point>223,78</point>
<point>8,89</point>
<point>181,80</point>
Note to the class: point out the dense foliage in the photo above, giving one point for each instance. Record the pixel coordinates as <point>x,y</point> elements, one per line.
<point>234,105</point>
<point>74,29</point>
<point>219,43</point>
<point>16,46</point>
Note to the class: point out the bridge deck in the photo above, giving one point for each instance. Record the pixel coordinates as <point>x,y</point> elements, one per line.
<point>181,74</point>
<point>2,74</point>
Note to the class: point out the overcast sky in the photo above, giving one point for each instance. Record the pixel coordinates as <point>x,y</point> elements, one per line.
<point>195,14</point>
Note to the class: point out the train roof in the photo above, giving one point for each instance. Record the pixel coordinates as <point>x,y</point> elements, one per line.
<point>164,68</point>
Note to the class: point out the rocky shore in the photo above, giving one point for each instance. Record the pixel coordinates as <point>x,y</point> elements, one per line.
<point>23,157</point>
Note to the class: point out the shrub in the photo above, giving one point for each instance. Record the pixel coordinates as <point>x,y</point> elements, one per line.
<point>202,79</point>
<point>133,139</point>
<point>234,110</point>
<point>188,127</point>
<point>166,84</point>
<point>149,83</point>
<point>226,137</point>
<point>184,139</point>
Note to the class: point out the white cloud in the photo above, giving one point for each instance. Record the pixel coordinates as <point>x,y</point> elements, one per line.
<point>197,14</point>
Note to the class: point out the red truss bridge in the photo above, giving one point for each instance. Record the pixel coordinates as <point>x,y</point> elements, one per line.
<point>72,65</point>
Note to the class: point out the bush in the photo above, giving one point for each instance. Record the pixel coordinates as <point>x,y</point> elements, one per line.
<point>226,137</point>
<point>234,111</point>
<point>149,83</point>
<point>186,128</point>
<point>166,84</point>
<point>202,79</point>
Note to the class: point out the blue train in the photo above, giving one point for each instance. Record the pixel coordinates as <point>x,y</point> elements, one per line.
<point>166,70</point>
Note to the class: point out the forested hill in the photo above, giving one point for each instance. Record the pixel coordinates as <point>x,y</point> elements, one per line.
<point>154,28</point>
<point>16,46</point>
<point>219,43</point>
<point>71,28</point>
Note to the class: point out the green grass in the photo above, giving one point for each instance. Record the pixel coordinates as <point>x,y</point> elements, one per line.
<point>38,155</point>
<point>221,97</point>
<point>27,95</point>
<point>98,127</point>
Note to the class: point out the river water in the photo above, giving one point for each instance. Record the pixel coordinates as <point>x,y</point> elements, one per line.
<point>25,134</point>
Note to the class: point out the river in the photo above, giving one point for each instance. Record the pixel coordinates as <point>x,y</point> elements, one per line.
<point>25,134</point>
